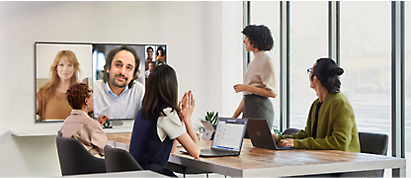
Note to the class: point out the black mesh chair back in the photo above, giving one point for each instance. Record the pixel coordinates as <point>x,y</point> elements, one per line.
<point>373,143</point>
<point>119,160</point>
<point>290,131</point>
<point>75,159</point>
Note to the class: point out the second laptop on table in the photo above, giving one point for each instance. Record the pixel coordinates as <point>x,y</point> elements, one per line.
<point>228,138</point>
<point>261,136</point>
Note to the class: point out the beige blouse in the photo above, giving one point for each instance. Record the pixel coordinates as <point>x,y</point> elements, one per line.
<point>56,106</point>
<point>87,130</point>
<point>261,73</point>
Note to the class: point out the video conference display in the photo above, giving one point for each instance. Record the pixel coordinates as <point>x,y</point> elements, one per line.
<point>58,65</point>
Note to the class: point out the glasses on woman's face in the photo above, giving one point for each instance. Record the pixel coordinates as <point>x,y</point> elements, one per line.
<point>309,70</point>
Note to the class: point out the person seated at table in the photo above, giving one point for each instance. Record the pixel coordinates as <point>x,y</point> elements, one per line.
<point>331,120</point>
<point>161,121</point>
<point>80,125</point>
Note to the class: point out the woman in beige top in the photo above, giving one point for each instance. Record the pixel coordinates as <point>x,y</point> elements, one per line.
<point>51,97</point>
<point>81,126</point>
<point>260,82</point>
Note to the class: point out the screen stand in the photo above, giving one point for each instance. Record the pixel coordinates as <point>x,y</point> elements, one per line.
<point>107,125</point>
<point>111,123</point>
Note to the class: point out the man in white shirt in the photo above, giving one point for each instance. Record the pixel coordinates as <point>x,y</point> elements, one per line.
<point>118,95</point>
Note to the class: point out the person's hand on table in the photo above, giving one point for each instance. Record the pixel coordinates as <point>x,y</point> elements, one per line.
<point>286,142</point>
<point>102,119</point>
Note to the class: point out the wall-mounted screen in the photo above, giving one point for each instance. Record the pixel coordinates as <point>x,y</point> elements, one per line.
<point>117,73</point>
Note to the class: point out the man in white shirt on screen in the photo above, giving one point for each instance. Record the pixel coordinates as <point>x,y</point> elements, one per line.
<point>119,95</point>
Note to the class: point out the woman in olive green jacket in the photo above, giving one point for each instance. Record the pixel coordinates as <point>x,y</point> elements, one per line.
<point>331,120</point>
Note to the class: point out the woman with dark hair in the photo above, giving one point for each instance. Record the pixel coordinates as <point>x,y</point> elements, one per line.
<point>161,122</point>
<point>80,125</point>
<point>260,82</point>
<point>331,121</point>
<point>160,55</point>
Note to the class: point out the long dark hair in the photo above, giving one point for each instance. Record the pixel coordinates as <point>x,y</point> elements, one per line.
<point>327,73</point>
<point>161,92</point>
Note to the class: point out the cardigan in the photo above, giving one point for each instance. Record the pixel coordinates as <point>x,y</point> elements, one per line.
<point>336,129</point>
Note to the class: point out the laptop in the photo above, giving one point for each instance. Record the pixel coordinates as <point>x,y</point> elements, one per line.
<point>261,136</point>
<point>228,138</point>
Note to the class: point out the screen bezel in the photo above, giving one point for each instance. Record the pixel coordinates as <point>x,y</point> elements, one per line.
<point>91,79</point>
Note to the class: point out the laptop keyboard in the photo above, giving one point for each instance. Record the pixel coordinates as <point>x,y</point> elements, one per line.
<point>211,152</point>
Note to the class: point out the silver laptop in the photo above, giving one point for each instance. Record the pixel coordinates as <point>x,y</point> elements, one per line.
<point>261,136</point>
<point>228,138</point>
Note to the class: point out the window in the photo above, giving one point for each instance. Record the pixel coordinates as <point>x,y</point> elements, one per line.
<point>267,13</point>
<point>365,42</point>
<point>308,42</point>
<point>407,92</point>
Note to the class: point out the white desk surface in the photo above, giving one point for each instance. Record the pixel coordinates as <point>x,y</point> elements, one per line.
<point>145,173</point>
<point>52,131</point>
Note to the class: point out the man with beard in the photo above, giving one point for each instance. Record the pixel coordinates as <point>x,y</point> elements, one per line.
<point>119,95</point>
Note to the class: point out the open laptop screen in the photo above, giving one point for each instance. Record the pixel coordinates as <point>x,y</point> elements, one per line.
<point>229,134</point>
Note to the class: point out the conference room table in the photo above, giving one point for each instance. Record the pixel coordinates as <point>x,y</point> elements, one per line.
<point>260,162</point>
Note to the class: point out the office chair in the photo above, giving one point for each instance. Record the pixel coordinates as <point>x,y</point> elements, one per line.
<point>290,131</point>
<point>373,143</point>
<point>184,169</point>
<point>75,159</point>
<point>119,160</point>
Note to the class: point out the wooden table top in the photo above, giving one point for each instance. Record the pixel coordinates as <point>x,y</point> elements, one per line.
<point>260,158</point>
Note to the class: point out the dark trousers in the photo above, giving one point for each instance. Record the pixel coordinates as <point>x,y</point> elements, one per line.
<point>256,106</point>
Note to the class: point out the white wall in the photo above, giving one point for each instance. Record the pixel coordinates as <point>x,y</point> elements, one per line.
<point>204,46</point>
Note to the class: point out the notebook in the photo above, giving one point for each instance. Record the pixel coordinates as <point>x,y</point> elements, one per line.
<point>261,136</point>
<point>228,138</point>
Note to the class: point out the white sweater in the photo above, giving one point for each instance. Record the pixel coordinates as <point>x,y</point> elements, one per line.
<point>261,73</point>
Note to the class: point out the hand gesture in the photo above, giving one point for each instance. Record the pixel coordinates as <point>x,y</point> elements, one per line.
<point>240,88</point>
<point>187,106</point>
<point>102,119</point>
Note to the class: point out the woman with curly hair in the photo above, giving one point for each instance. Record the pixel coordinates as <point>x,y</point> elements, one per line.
<point>260,82</point>
<point>80,125</point>
<point>51,97</point>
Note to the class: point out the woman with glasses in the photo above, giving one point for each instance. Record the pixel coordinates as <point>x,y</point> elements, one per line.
<point>260,82</point>
<point>331,121</point>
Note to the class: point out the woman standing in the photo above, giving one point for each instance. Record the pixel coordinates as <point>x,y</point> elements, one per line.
<point>260,81</point>
<point>51,97</point>
<point>161,121</point>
